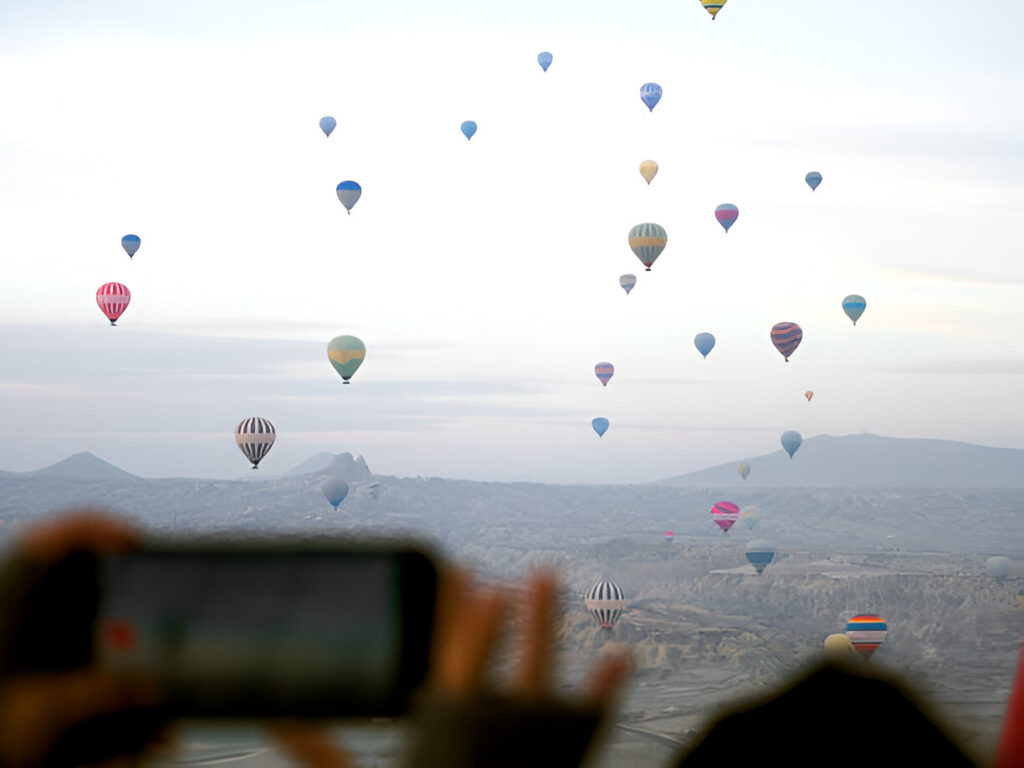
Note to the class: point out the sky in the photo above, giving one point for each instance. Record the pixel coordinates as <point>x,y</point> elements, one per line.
<point>483,275</point>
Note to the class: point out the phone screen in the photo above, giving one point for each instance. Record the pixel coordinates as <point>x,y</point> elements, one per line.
<point>259,633</point>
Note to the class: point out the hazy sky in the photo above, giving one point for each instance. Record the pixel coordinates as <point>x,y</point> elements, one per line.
<point>483,275</point>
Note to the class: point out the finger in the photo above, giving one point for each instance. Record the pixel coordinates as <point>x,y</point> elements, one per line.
<point>607,679</point>
<point>535,673</point>
<point>466,642</point>
<point>84,528</point>
<point>310,745</point>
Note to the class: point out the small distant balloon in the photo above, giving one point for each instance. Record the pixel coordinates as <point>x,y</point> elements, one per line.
<point>669,536</point>
<point>725,513</point>
<point>704,342</point>
<point>600,425</point>
<point>349,193</point>
<point>604,373</point>
<point>813,179</point>
<point>809,394</point>
<point>627,282</point>
<point>750,516</point>
<point>787,337</point>
<point>838,648</point>
<point>648,241</point>
<point>998,567</point>
<point>650,94</point>
<point>854,306</point>
<point>648,169</point>
<point>726,214</point>
<point>866,631</point>
<point>131,244</point>
<point>113,299</point>
<point>544,59</point>
<point>791,441</point>
<point>605,602</point>
<point>468,129</point>
<point>255,437</point>
<point>760,552</point>
<point>744,469</point>
<point>334,490</point>
<point>346,354</point>
<point>328,124</point>
<point>713,6</point>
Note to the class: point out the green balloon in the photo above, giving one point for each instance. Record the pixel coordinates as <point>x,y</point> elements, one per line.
<point>346,354</point>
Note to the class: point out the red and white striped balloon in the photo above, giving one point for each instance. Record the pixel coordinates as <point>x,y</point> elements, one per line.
<point>113,300</point>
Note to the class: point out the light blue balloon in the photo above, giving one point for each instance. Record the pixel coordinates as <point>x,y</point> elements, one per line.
<point>813,179</point>
<point>131,244</point>
<point>328,124</point>
<point>791,441</point>
<point>650,94</point>
<point>335,490</point>
<point>349,193</point>
<point>544,59</point>
<point>468,129</point>
<point>704,342</point>
<point>600,425</point>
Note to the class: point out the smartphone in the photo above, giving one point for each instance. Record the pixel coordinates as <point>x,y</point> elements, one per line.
<point>333,630</point>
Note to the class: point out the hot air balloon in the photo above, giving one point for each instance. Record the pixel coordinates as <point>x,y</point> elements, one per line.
<point>726,214</point>
<point>760,552</point>
<point>750,516</point>
<point>712,6</point>
<point>647,241</point>
<point>254,436</point>
<point>328,124</point>
<point>725,513</point>
<point>838,648</point>
<point>468,129</point>
<point>650,94</point>
<point>791,441</point>
<point>334,490</point>
<point>866,631</point>
<point>131,244</point>
<point>627,282</point>
<point>346,354</point>
<point>544,59</point>
<point>113,300</point>
<point>998,567</point>
<point>604,372</point>
<point>854,306</point>
<point>813,179</point>
<point>605,602</point>
<point>669,536</point>
<point>349,193</point>
<point>786,337</point>
<point>648,169</point>
<point>809,394</point>
<point>744,469</point>
<point>704,342</point>
<point>600,425</point>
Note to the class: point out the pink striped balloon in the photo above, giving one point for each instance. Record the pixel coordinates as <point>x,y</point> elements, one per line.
<point>113,300</point>
<point>725,513</point>
<point>604,372</point>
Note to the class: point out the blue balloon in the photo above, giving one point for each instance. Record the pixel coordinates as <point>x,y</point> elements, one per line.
<point>468,129</point>
<point>791,441</point>
<point>650,94</point>
<point>600,425</point>
<point>704,342</point>
<point>334,490</point>
<point>813,179</point>
<point>328,124</point>
<point>349,193</point>
<point>131,244</point>
<point>544,59</point>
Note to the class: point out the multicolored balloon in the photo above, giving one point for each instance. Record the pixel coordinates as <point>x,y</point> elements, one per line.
<point>113,299</point>
<point>809,394</point>
<point>131,244</point>
<point>750,516</point>
<point>813,179</point>
<point>760,552</point>
<point>866,631</point>
<point>854,306</point>
<point>600,425</point>
<point>328,124</point>
<point>334,490</point>
<point>605,602</point>
<point>787,337</point>
<point>791,441</point>
<point>627,282</point>
<point>648,241</point>
<point>544,59</point>
<point>650,94</point>
<point>744,469</point>
<point>713,6</point>
<point>346,354</point>
<point>468,129</point>
<point>604,373</point>
<point>648,169</point>
<point>725,514</point>
<point>349,193</point>
<point>255,436</point>
<point>669,536</point>
<point>704,342</point>
<point>726,214</point>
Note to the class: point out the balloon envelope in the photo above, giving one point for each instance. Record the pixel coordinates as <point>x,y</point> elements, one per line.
<point>712,6</point>
<point>544,59</point>
<point>813,179</point>
<point>604,373</point>
<point>744,469</point>
<point>725,513</point>
<point>113,299</point>
<point>648,169</point>
<point>866,631</point>
<point>346,354</point>
<point>627,282</point>
<point>328,124</point>
<point>349,193</point>
<point>704,342</point>
<point>998,567</point>
<point>750,517</point>
<point>787,337</point>
<point>726,214</point>
<point>838,648</point>
<point>605,602</point>
<point>650,94</point>
<point>255,436</point>
<point>760,552</point>
<point>600,425</point>
<point>334,490</point>
<point>648,241</point>
<point>809,394</point>
<point>468,129</point>
<point>791,441</point>
<point>131,244</point>
<point>854,306</point>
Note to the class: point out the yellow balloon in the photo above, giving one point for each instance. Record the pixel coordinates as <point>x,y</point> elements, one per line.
<point>808,394</point>
<point>712,6</point>
<point>838,648</point>
<point>648,169</point>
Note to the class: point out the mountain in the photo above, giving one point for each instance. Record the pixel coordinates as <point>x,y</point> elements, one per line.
<point>873,461</point>
<point>86,466</point>
<point>341,465</point>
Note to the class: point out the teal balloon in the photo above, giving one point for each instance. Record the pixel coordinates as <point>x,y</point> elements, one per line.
<point>334,490</point>
<point>854,306</point>
<point>791,441</point>
<point>704,342</point>
<point>600,425</point>
<point>468,129</point>
<point>760,552</point>
<point>813,179</point>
